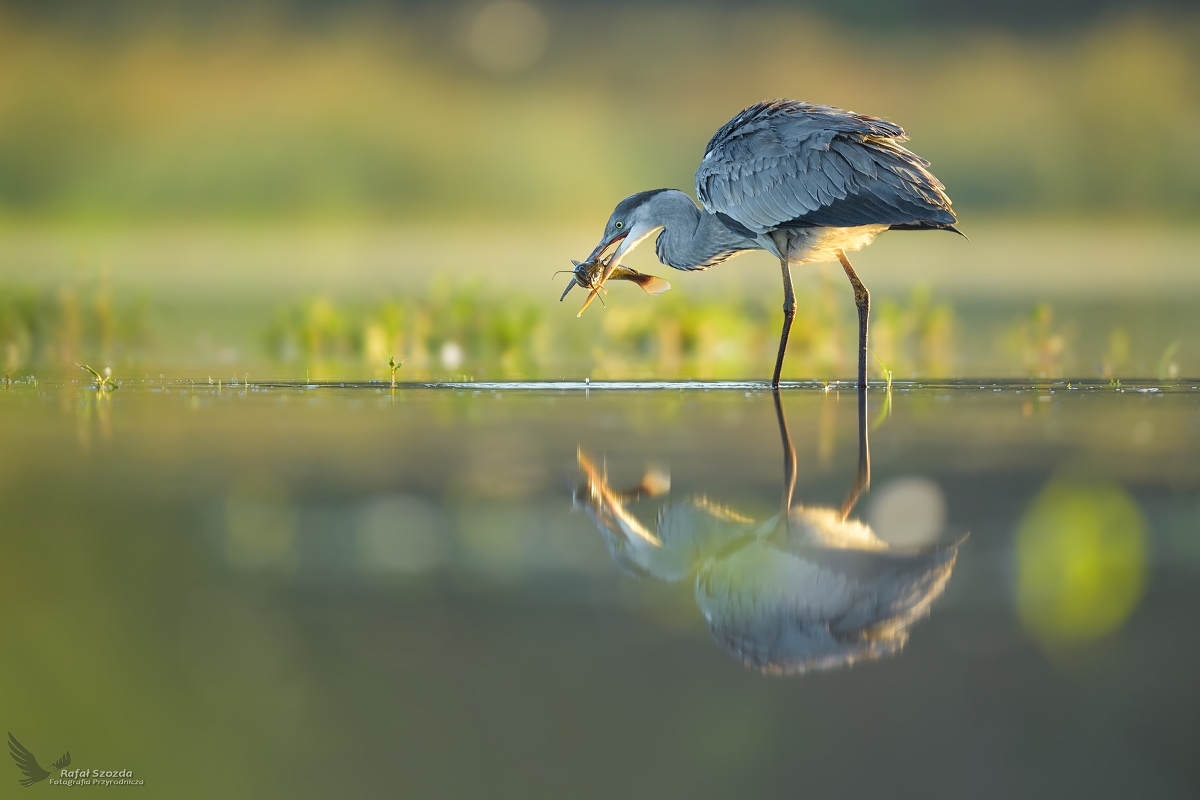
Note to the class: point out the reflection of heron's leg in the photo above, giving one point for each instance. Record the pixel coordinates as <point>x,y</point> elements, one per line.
<point>789,301</point>
<point>789,458</point>
<point>862,299</point>
<point>862,479</point>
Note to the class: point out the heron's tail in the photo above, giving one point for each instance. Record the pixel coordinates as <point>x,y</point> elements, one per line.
<point>928,226</point>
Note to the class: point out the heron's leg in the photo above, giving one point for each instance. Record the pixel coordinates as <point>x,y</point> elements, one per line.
<point>781,241</point>
<point>862,299</point>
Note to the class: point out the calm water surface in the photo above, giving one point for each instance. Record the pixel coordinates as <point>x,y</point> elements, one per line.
<point>984,590</point>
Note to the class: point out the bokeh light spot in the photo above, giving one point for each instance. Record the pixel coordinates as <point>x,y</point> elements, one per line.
<point>908,511</point>
<point>1081,561</point>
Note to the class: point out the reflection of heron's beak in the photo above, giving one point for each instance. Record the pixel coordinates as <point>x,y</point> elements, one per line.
<point>600,248</point>
<point>607,505</point>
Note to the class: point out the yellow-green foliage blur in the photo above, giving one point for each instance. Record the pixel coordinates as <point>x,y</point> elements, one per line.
<point>383,116</point>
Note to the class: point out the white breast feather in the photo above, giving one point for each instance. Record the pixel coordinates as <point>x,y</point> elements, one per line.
<point>816,245</point>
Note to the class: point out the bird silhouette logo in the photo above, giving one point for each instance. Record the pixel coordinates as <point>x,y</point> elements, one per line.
<point>29,765</point>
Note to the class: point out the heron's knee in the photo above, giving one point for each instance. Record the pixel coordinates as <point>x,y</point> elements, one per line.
<point>862,298</point>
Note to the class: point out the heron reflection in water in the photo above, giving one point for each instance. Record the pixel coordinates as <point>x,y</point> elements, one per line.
<point>808,589</point>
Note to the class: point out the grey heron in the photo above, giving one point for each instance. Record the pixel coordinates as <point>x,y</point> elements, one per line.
<point>806,589</point>
<point>805,182</point>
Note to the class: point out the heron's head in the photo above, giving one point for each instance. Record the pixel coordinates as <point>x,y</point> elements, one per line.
<point>632,220</point>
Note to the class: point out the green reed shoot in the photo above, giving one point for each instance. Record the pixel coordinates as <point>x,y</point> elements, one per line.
<point>103,382</point>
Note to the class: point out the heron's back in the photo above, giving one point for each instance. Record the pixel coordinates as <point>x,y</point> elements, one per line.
<point>789,164</point>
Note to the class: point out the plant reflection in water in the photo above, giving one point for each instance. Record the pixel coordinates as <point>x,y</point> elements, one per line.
<point>807,589</point>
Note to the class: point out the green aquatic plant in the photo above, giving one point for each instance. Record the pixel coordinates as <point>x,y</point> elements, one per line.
<point>917,337</point>
<point>676,338</point>
<point>1167,367</point>
<point>460,329</point>
<point>1116,358</point>
<point>104,382</point>
<point>452,329</point>
<point>468,329</point>
<point>67,323</point>
<point>1040,344</point>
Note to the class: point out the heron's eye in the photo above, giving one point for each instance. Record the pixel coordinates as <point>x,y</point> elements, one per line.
<point>619,225</point>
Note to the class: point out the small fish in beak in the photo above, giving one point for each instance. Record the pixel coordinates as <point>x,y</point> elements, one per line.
<point>589,275</point>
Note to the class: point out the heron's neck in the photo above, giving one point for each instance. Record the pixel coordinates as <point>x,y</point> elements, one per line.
<point>691,237</point>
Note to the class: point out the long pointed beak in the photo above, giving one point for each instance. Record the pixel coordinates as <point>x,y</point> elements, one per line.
<point>608,270</point>
<point>604,245</point>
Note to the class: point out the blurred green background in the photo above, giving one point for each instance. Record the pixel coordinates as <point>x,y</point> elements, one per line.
<point>311,187</point>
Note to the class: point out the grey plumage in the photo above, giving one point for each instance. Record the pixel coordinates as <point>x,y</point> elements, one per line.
<point>784,163</point>
<point>804,182</point>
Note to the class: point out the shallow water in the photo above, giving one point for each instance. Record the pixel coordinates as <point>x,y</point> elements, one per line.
<point>577,590</point>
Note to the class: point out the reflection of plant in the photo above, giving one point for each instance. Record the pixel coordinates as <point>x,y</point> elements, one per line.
<point>886,410</point>
<point>1039,344</point>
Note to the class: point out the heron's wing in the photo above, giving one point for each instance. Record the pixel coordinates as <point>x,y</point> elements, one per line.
<point>63,762</point>
<point>26,762</point>
<point>893,589</point>
<point>795,608</point>
<point>787,163</point>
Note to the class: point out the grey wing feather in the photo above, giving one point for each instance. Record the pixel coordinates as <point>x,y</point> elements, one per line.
<point>784,163</point>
